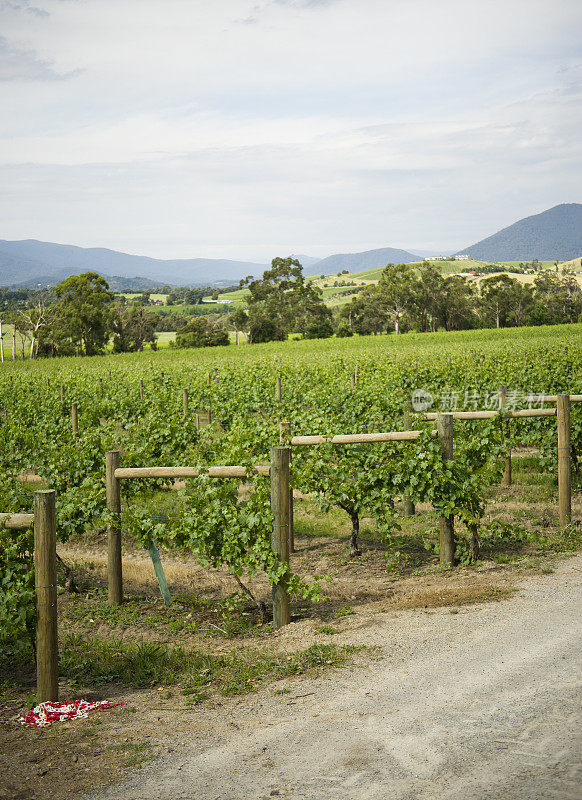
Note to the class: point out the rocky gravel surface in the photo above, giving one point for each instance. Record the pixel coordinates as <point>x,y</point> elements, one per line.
<point>476,703</point>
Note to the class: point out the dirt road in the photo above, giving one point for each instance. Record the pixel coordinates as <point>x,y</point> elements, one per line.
<point>480,704</point>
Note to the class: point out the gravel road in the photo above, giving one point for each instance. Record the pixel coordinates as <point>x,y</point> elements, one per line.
<point>481,704</point>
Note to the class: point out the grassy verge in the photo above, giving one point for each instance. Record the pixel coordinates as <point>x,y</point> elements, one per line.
<point>91,661</point>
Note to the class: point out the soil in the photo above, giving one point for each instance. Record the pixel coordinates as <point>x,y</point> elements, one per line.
<point>476,705</point>
<point>408,619</point>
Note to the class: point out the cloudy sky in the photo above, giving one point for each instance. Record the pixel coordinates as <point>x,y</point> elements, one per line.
<point>185,128</point>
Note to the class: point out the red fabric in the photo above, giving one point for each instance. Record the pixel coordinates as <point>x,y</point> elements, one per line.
<point>46,713</point>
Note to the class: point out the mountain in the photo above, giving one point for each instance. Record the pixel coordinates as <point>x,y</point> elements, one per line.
<point>32,261</point>
<point>356,262</point>
<point>553,234</point>
<point>306,261</point>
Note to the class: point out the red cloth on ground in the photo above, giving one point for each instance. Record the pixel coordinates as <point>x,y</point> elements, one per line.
<point>46,713</point>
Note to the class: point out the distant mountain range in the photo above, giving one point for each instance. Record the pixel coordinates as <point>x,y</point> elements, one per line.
<point>31,262</point>
<point>553,234</point>
<point>556,233</point>
<point>356,262</point>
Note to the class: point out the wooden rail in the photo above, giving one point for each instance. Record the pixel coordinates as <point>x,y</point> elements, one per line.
<point>16,521</point>
<point>191,472</point>
<point>522,413</point>
<point>360,438</point>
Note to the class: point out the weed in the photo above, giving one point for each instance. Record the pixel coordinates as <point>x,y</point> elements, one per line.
<point>94,661</point>
<point>327,629</point>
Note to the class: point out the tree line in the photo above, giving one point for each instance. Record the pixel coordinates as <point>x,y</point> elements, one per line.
<point>81,316</point>
<point>406,299</point>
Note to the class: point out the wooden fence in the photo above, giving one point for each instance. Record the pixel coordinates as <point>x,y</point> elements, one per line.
<point>278,470</point>
<point>445,434</point>
<point>45,571</point>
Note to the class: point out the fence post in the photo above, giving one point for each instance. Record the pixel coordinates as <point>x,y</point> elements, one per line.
<point>506,479</point>
<point>113,490</point>
<point>409,507</point>
<point>278,389</point>
<point>447,530</point>
<point>62,394</point>
<point>100,387</point>
<point>75,418</point>
<point>564,473</point>
<point>141,390</point>
<point>280,458</point>
<point>45,568</point>
<point>285,439</point>
<point>185,402</point>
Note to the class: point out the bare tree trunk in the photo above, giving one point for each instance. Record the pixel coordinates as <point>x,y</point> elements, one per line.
<point>355,518</point>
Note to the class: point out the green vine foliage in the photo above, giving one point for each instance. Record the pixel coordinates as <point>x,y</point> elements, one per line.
<point>220,529</point>
<point>317,398</point>
<point>17,595</point>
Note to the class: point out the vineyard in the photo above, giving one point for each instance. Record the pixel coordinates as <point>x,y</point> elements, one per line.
<point>200,411</point>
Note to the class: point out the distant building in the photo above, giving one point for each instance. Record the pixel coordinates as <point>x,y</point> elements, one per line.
<point>437,258</point>
<point>462,258</point>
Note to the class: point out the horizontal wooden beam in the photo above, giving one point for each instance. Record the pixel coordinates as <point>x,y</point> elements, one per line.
<point>359,438</point>
<point>16,521</point>
<point>191,472</point>
<point>553,398</point>
<point>526,412</point>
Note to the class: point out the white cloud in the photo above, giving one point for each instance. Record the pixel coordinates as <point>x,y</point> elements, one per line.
<point>325,125</point>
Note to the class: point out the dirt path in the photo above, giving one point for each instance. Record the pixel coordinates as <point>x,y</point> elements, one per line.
<point>480,704</point>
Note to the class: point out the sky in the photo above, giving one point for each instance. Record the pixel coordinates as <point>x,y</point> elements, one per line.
<point>248,130</point>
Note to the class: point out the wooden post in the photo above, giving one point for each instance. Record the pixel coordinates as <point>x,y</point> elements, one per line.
<point>284,433</point>
<point>352,380</point>
<point>162,377</point>
<point>356,374</point>
<point>114,567</point>
<point>185,402</point>
<point>278,389</point>
<point>447,530</point>
<point>564,473</point>
<point>62,394</point>
<point>141,390</point>
<point>45,570</point>
<point>409,507</point>
<point>197,421</point>
<point>506,479</point>
<point>208,378</point>
<point>75,418</point>
<point>280,458</point>
<point>285,439</point>
<point>100,387</point>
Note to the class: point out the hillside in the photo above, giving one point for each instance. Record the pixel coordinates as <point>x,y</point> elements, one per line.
<point>553,234</point>
<point>22,262</point>
<point>369,259</point>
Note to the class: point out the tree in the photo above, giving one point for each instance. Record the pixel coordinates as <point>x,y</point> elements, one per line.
<point>34,322</point>
<point>557,298</point>
<point>132,326</point>
<point>239,319</point>
<point>398,290</point>
<point>367,314</point>
<point>429,294</point>
<point>201,332</point>
<point>83,311</point>
<point>282,302</point>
